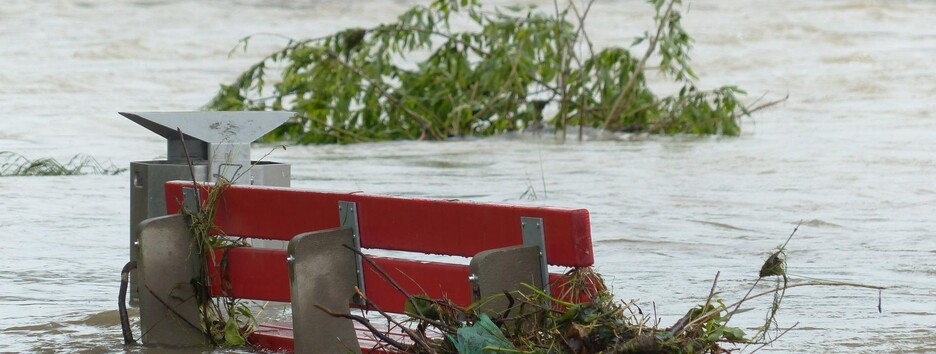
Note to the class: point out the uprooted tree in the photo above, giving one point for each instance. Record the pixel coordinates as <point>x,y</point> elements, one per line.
<point>512,69</point>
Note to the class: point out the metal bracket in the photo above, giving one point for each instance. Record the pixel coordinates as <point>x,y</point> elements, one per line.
<point>347,214</point>
<point>473,283</point>
<point>230,172</point>
<point>534,234</point>
<point>191,200</point>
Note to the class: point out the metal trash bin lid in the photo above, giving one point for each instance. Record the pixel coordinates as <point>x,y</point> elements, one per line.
<point>213,127</point>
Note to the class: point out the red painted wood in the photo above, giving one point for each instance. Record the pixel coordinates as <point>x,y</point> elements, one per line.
<point>278,337</point>
<point>262,274</point>
<point>434,280</point>
<point>415,225</point>
<point>252,273</point>
<point>274,337</point>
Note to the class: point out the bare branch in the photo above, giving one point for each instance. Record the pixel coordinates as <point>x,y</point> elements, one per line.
<point>367,324</point>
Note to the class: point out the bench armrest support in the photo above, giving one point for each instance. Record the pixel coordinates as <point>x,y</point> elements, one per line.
<point>322,272</point>
<point>504,270</point>
<point>167,265</point>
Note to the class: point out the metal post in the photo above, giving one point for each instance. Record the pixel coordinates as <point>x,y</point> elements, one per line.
<point>534,234</point>
<point>347,213</point>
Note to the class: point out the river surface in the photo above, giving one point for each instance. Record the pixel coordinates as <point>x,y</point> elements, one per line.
<point>851,154</point>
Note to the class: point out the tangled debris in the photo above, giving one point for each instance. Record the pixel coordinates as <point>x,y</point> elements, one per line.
<point>585,318</point>
<point>539,323</point>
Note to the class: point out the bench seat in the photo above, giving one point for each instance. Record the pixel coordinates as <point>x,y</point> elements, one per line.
<point>451,228</point>
<point>278,337</point>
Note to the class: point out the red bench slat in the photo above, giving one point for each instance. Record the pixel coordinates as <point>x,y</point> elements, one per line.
<point>253,273</point>
<point>416,225</point>
<point>278,337</point>
<point>435,280</point>
<point>262,274</point>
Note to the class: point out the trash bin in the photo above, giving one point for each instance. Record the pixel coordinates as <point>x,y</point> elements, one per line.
<point>216,143</point>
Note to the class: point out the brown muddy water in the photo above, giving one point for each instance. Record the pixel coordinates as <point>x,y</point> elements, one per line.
<point>852,154</point>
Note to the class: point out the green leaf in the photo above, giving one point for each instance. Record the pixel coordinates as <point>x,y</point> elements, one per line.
<point>664,336</point>
<point>714,335</point>
<point>733,333</point>
<point>417,305</point>
<point>232,335</point>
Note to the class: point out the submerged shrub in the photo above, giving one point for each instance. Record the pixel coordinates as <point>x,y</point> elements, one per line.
<point>515,69</point>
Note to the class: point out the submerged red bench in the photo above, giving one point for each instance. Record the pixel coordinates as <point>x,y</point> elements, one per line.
<point>316,227</point>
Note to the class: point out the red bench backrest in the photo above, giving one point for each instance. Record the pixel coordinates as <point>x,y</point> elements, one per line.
<point>415,225</point>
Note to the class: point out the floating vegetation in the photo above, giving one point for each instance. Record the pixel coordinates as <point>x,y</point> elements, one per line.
<point>226,321</point>
<point>13,164</point>
<point>540,323</point>
<point>518,68</point>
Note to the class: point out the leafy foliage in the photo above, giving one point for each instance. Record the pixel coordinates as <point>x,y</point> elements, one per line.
<point>515,69</point>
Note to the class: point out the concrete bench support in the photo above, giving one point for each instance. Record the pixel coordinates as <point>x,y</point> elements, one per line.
<point>504,270</point>
<point>168,264</point>
<point>323,272</point>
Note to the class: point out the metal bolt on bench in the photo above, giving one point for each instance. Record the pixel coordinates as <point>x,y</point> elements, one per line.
<point>218,145</point>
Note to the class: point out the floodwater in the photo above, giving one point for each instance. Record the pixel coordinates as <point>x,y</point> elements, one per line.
<point>852,154</point>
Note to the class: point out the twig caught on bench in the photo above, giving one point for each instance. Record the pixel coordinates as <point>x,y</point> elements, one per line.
<point>367,324</point>
<point>409,297</point>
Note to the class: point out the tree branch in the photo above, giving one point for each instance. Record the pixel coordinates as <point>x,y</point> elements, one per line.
<point>621,100</point>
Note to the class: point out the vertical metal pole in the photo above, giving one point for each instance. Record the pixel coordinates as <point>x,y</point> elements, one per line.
<point>192,202</point>
<point>347,214</point>
<point>534,234</point>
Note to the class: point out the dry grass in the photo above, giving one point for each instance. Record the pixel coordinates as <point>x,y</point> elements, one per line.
<point>14,164</point>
